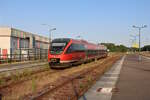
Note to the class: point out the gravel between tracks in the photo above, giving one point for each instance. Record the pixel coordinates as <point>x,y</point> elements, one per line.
<point>72,87</point>
<point>39,82</point>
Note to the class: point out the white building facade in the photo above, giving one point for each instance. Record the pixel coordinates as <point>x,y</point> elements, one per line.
<point>12,39</point>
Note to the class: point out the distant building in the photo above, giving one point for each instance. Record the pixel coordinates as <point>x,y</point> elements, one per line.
<point>12,39</point>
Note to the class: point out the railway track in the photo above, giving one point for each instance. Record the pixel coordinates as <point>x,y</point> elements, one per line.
<point>19,67</point>
<point>9,81</point>
<point>52,80</point>
<point>10,74</point>
<point>71,83</point>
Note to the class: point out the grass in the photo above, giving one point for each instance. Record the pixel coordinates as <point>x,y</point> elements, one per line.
<point>34,86</point>
<point>2,81</point>
<point>16,77</point>
<point>82,86</point>
<point>26,72</point>
<point>8,78</point>
<point>46,67</point>
<point>89,80</point>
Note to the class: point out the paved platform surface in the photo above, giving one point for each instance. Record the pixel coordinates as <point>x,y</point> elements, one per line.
<point>102,90</point>
<point>134,81</point>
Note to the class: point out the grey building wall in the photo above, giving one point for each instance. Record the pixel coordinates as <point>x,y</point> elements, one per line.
<point>11,37</point>
<point>23,43</point>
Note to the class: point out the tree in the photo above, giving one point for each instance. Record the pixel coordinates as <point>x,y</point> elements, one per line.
<point>115,48</point>
<point>146,48</point>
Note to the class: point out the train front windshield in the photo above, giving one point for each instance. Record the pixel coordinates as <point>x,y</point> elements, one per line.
<point>57,48</point>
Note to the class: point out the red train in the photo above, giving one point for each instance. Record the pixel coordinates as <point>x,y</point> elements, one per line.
<point>65,52</point>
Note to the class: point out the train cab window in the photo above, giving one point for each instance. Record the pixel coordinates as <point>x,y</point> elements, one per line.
<point>58,45</point>
<point>57,48</point>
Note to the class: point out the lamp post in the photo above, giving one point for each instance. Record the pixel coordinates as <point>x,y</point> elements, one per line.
<point>132,41</point>
<point>139,28</point>
<point>50,32</point>
<point>134,37</point>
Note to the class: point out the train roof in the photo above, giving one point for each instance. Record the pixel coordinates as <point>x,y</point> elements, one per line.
<point>68,39</point>
<point>87,44</point>
<point>61,40</point>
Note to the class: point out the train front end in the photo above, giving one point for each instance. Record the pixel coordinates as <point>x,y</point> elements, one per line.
<point>56,53</point>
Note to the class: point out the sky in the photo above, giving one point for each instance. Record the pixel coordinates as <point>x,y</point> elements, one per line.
<point>94,20</point>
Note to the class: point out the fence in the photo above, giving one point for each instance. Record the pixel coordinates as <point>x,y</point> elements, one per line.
<point>18,55</point>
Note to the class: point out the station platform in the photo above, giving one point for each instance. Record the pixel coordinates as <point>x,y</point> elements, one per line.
<point>128,79</point>
<point>134,82</point>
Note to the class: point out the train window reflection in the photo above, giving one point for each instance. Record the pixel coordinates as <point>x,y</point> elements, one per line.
<point>75,48</point>
<point>57,48</point>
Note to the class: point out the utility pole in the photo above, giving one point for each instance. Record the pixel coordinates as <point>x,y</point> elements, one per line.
<point>139,28</point>
<point>133,42</point>
<point>50,33</point>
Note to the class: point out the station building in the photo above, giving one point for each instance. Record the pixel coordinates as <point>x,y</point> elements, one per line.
<point>12,39</point>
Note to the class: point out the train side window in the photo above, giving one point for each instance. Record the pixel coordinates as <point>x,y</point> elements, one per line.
<point>82,47</point>
<point>75,48</point>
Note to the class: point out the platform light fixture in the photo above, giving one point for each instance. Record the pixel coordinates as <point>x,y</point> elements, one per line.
<point>50,32</point>
<point>139,28</point>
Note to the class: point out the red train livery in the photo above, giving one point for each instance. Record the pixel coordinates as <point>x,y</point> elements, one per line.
<point>65,52</point>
